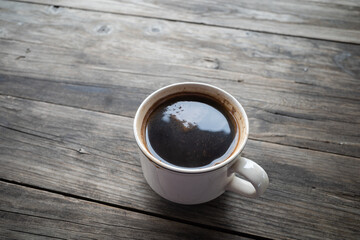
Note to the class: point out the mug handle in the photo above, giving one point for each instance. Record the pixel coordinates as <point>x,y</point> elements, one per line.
<point>257,178</point>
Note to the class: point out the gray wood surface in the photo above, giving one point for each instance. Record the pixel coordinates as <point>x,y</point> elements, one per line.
<point>114,72</point>
<point>27,213</point>
<point>311,194</point>
<point>336,20</point>
<point>71,80</point>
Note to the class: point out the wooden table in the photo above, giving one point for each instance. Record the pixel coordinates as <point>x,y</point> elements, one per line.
<point>73,75</point>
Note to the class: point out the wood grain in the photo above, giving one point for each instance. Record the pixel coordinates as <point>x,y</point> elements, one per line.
<point>113,71</point>
<point>311,194</point>
<point>27,213</point>
<point>71,80</point>
<point>318,130</point>
<point>165,48</point>
<point>329,20</point>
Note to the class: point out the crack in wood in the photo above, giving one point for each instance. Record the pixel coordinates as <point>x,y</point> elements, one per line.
<point>38,216</point>
<point>37,234</point>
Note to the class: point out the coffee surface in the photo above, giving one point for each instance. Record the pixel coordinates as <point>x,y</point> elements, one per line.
<point>191,131</point>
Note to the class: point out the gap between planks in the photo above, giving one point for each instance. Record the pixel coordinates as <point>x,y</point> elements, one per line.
<point>170,76</point>
<point>58,4</point>
<point>124,116</point>
<point>169,218</point>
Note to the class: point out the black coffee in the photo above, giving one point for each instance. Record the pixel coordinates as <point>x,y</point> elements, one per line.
<point>192,131</point>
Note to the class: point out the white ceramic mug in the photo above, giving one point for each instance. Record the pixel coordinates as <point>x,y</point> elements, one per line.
<point>199,185</point>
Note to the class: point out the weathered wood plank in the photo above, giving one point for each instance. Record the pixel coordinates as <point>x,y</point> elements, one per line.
<point>303,127</point>
<point>311,195</point>
<point>108,63</point>
<point>27,213</point>
<point>113,71</point>
<point>331,20</point>
<point>149,46</point>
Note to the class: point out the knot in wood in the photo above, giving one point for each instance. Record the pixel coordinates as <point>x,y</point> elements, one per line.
<point>54,9</point>
<point>104,29</point>
<point>213,63</point>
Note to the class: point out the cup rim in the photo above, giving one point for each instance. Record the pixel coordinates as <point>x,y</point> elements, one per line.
<point>156,161</point>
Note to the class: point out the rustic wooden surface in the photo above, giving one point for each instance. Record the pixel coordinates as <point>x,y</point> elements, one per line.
<point>320,19</point>
<point>73,75</point>
<point>82,219</point>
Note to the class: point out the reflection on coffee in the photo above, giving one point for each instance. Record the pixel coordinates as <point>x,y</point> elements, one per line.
<point>190,130</point>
